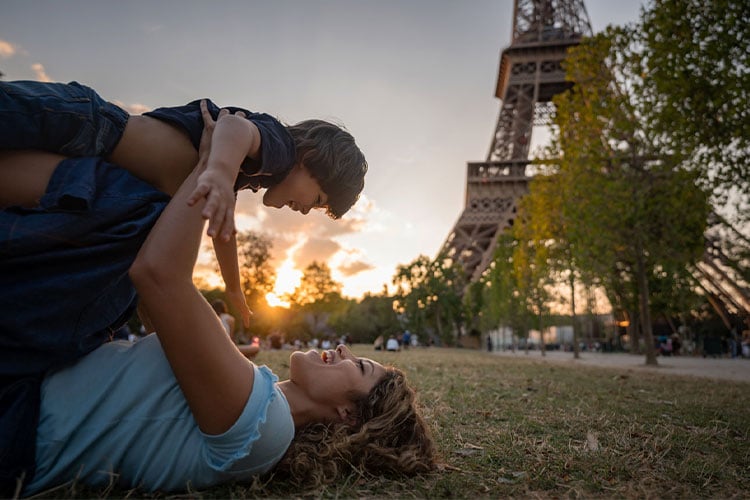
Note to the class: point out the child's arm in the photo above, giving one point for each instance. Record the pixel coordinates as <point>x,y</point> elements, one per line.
<point>233,139</point>
<point>226,255</point>
<point>225,249</point>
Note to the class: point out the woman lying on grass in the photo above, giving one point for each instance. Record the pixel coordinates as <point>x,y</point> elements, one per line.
<point>183,408</point>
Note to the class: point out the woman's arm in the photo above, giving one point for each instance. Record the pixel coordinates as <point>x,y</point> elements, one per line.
<point>214,376</point>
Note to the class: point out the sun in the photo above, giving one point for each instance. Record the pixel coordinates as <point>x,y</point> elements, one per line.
<point>287,279</point>
<point>274,300</point>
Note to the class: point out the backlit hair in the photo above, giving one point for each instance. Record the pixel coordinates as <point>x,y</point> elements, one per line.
<point>332,157</point>
<point>390,438</point>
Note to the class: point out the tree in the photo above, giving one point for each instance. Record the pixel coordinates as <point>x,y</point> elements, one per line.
<point>257,278</point>
<point>632,209</point>
<point>257,275</point>
<point>429,296</point>
<point>504,302</point>
<point>367,319</point>
<point>316,285</point>
<point>545,255</point>
<point>315,299</point>
<point>696,60</point>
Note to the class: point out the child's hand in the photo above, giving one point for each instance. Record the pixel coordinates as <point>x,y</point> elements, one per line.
<point>237,299</point>
<point>218,189</point>
<point>219,207</point>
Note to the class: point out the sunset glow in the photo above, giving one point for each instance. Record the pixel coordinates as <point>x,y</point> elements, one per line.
<point>287,279</point>
<point>273,300</point>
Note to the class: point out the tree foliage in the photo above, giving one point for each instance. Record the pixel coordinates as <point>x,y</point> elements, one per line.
<point>316,286</point>
<point>631,209</point>
<point>696,60</point>
<point>257,275</point>
<point>315,300</point>
<point>429,297</point>
<point>504,299</point>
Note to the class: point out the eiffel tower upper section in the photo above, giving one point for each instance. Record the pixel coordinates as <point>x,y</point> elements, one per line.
<point>530,75</point>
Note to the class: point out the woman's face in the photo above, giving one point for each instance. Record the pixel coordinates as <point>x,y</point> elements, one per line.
<point>299,191</point>
<point>329,378</point>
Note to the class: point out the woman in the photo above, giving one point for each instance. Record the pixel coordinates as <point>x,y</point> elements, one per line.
<point>185,408</point>
<point>76,224</point>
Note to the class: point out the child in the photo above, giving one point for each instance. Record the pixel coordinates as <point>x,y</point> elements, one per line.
<point>319,162</point>
<point>161,147</point>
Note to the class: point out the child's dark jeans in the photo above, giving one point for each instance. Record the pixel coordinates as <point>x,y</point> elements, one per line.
<point>66,118</point>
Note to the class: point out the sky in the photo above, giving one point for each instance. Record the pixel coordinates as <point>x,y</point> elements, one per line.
<point>412,80</point>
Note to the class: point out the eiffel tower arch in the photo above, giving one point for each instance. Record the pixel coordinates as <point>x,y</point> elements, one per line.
<point>530,75</point>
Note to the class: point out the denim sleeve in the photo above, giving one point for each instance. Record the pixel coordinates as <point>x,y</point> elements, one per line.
<point>277,146</point>
<point>66,118</point>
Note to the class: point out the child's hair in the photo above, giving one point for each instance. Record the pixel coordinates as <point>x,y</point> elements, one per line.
<point>391,437</point>
<point>332,157</point>
<point>219,306</point>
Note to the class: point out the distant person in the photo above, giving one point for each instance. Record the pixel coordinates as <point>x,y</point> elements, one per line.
<point>251,350</point>
<point>406,339</point>
<point>392,344</point>
<point>227,320</point>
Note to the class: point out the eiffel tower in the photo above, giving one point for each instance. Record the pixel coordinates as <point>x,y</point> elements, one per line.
<point>530,75</point>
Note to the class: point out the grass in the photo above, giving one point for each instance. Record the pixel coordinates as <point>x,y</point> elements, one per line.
<point>523,428</point>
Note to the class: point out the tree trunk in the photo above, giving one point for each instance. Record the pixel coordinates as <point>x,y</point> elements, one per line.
<point>634,332</point>
<point>576,346</point>
<point>541,332</point>
<point>439,324</point>
<point>643,300</point>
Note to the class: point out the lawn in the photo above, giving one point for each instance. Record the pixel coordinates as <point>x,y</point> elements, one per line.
<point>523,428</point>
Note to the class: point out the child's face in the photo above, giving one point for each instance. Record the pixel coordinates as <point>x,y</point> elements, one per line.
<point>299,191</point>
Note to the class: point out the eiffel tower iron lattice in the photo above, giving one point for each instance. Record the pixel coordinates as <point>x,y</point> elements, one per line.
<point>530,75</point>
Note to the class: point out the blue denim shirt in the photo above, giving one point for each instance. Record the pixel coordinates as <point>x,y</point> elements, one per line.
<point>64,282</point>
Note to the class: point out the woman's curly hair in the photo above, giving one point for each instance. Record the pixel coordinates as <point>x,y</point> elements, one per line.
<point>391,437</point>
<point>332,157</point>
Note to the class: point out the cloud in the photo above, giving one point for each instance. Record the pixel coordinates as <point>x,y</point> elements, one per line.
<point>315,249</point>
<point>355,268</point>
<point>7,49</point>
<point>40,73</point>
<point>314,237</point>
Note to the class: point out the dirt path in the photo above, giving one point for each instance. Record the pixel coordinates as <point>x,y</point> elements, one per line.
<point>737,369</point>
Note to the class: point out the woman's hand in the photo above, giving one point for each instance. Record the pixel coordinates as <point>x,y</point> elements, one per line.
<point>214,183</point>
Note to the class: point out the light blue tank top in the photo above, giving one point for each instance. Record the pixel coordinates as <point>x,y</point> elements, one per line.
<point>118,416</point>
